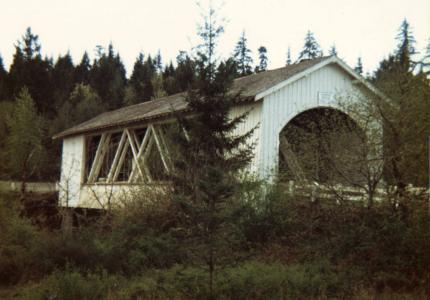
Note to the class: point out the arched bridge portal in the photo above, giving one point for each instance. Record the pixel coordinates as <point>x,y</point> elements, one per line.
<point>324,145</point>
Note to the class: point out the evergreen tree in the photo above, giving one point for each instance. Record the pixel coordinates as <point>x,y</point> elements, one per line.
<point>170,85</point>
<point>359,67</point>
<point>185,72</point>
<point>425,62</point>
<point>82,104</point>
<point>24,144</point>
<point>208,156</point>
<point>405,47</point>
<point>108,78</point>
<point>333,50</point>
<point>63,78</point>
<point>3,79</point>
<point>405,115</point>
<point>288,62</point>
<point>158,62</point>
<point>262,56</point>
<point>311,48</point>
<point>242,56</point>
<point>82,71</point>
<point>31,70</point>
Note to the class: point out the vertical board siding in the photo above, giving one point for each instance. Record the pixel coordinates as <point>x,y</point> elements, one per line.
<point>252,121</point>
<point>286,103</point>
<point>268,116</point>
<point>71,170</point>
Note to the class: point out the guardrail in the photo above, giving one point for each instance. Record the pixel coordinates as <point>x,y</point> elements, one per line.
<point>33,187</point>
<point>314,190</point>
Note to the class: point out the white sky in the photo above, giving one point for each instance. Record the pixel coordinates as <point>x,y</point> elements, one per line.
<point>365,28</point>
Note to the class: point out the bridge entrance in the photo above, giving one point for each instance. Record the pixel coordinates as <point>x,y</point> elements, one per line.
<point>323,145</point>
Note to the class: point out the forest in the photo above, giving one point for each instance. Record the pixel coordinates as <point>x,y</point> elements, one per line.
<point>215,234</point>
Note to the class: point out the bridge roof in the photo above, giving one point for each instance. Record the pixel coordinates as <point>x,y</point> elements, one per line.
<point>252,87</point>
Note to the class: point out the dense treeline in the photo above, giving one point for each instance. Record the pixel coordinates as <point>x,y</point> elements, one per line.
<point>65,93</point>
<point>213,233</point>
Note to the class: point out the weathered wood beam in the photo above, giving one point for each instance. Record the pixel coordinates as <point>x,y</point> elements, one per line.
<point>142,150</point>
<point>134,151</point>
<point>160,149</point>
<point>98,160</point>
<point>116,158</point>
<point>121,160</point>
<point>291,159</point>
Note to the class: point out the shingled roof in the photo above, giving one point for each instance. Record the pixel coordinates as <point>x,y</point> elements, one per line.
<point>248,86</point>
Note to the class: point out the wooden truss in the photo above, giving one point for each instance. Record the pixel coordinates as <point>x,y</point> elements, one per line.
<point>291,159</point>
<point>153,140</point>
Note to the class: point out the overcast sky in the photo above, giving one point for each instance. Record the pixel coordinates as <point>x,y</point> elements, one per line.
<point>365,28</point>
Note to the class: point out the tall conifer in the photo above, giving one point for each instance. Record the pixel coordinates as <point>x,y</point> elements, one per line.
<point>242,56</point>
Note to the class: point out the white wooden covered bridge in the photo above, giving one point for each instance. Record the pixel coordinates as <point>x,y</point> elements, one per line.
<point>119,150</point>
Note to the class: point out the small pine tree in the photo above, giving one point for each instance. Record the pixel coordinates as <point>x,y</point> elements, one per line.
<point>82,71</point>
<point>359,67</point>
<point>288,62</point>
<point>311,48</point>
<point>3,77</point>
<point>242,56</point>
<point>333,50</point>
<point>405,47</point>
<point>425,62</point>
<point>262,56</point>
<point>208,155</point>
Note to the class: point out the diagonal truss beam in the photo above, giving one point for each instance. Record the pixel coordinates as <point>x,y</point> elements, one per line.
<point>291,159</point>
<point>153,137</point>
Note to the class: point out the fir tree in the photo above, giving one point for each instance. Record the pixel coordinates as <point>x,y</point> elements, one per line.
<point>425,62</point>
<point>311,48</point>
<point>158,62</point>
<point>359,67</point>
<point>333,50</point>
<point>405,47</point>
<point>29,69</point>
<point>242,56</point>
<point>63,78</point>
<point>185,72</point>
<point>108,78</point>
<point>208,156</point>
<point>262,56</point>
<point>82,71</point>
<point>170,86</point>
<point>405,114</point>
<point>3,78</point>
<point>288,62</point>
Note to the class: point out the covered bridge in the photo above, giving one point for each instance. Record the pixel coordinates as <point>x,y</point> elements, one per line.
<point>121,149</point>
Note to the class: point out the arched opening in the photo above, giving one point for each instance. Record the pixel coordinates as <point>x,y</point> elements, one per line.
<point>323,145</point>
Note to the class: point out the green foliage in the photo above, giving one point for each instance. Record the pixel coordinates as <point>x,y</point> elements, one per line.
<point>359,67</point>
<point>311,48</point>
<point>262,56</point>
<point>3,78</point>
<point>24,142</point>
<point>242,57</point>
<point>404,113</point>
<point>107,78</point>
<point>82,104</point>
<point>30,70</point>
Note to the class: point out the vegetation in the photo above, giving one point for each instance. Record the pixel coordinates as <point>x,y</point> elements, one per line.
<point>284,247</point>
<point>217,234</point>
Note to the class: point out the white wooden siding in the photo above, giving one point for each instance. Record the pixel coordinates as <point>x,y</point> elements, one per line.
<point>270,114</point>
<point>72,163</point>
<point>284,104</point>
<point>251,122</point>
